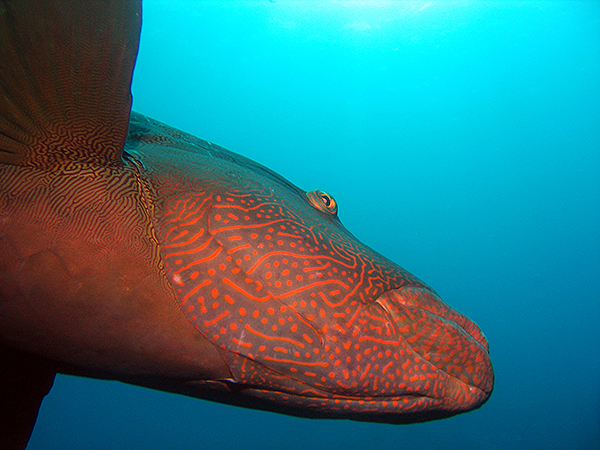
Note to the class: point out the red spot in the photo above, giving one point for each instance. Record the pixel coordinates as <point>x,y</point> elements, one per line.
<point>387,366</point>
<point>242,312</point>
<point>202,307</point>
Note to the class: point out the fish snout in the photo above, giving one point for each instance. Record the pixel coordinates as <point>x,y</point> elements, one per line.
<point>447,342</point>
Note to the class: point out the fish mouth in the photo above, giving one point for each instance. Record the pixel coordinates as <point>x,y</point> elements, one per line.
<point>446,369</point>
<point>446,339</point>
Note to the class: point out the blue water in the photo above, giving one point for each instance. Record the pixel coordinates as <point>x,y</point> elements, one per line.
<point>461,139</point>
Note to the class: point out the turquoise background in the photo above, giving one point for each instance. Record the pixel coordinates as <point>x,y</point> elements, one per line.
<point>460,138</point>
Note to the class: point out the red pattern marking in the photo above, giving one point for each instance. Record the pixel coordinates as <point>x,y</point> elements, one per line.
<point>291,361</point>
<point>286,280</point>
<point>271,338</point>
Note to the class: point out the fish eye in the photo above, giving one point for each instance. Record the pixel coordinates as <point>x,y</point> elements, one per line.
<point>322,201</point>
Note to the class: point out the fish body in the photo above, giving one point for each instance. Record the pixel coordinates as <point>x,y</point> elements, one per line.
<point>133,251</point>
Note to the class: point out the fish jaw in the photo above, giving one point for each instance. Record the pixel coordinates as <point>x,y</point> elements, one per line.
<point>422,365</point>
<point>444,340</point>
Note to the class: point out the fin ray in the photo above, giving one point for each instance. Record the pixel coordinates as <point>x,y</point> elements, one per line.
<point>65,78</point>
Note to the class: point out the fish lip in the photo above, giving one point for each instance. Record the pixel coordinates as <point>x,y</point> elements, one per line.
<point>429,303</point>
<point>399,409</point>
<point>324,405</point>
<point>451,314</point>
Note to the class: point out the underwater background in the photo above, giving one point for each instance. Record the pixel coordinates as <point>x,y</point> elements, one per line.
<point>461,139</point>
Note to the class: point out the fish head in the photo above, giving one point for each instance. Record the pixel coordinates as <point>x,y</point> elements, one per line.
<point>330,325</point>
<point>309,320</point>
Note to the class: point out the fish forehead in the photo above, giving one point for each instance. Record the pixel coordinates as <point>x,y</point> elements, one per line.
<point>291,246</point>
<point>244,201</point>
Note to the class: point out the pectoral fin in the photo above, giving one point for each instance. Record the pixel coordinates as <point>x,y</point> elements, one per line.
<point>24,381</point>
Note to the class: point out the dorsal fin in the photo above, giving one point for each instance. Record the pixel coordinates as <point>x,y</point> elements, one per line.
<point>65,77</point>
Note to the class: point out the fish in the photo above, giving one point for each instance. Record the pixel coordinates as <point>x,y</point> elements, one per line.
<point>136,252</point>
